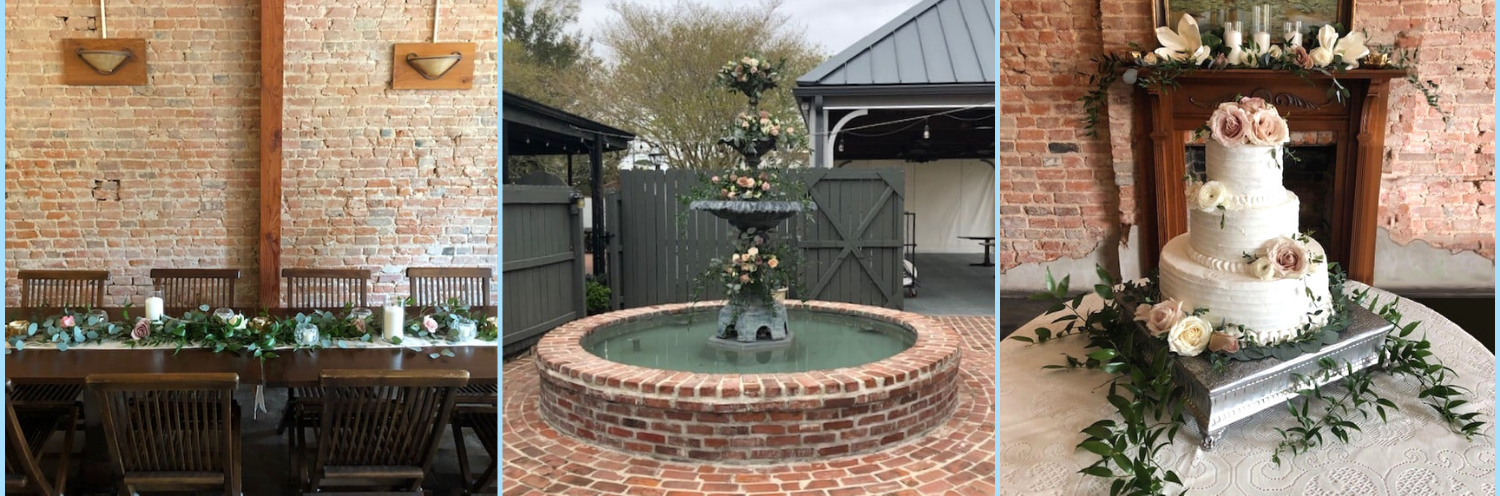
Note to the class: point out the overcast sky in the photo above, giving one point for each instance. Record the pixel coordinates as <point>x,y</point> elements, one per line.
<point>831,24</point>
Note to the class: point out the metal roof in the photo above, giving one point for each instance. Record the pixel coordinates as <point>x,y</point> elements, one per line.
<point>533,128</point>
<point>934,43</point>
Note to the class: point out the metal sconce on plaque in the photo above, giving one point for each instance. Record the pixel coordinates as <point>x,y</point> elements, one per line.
<point>104,61</point>
<point>433,66</point>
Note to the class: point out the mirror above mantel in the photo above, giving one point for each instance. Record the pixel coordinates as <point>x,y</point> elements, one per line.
<point>1311,13</point>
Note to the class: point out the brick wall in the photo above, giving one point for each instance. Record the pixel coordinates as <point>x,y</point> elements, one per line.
<point>1062,191</point>
<point>374,178</point>
<point>379,178</point>
<point>183,148</point>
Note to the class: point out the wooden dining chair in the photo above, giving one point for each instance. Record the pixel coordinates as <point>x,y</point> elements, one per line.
<point>326,289</point>
<point>189,288</point>
<point>483,421</point>
<point>379,429</point>
<point>432,286</point>
<point>62,288</point>
<point>26,434</point>
<point>171,432</point>
<point>56,289</point>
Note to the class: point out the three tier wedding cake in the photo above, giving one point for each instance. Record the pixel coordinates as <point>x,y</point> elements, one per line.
<point>1243,260</point>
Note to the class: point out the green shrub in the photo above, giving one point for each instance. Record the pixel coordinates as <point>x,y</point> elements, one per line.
<point>598,297</point>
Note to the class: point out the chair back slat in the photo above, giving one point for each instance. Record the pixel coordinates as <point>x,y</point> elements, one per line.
<point>384,418</point>
<point>62,288</point>
<point>326,288</point>
<point>193,287</point>
<point>431,286</point>
<point>21,463</point>
<point>180,423</point>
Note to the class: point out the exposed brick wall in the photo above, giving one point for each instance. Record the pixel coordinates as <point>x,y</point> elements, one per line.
<point>379,178</point>
<point>1438,181</point>
<point>183,148</point>
<point>749,417</point>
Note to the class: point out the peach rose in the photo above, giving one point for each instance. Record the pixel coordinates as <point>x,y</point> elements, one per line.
<point>745,182</point>
<point>1223,342</point>
<point>1269,128</point>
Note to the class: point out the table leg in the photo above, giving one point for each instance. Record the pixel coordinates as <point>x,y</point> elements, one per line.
<point>986,262</point>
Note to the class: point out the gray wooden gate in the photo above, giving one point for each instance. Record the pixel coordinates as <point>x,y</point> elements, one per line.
<point>852,248</point>
<point>543,271</point>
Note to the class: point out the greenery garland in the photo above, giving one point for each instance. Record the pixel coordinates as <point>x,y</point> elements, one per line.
<point>1150,405</point>
<point>258,336</point>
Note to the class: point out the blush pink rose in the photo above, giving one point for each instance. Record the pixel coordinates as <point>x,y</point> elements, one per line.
<point>142,329</point>
<point>1223,342</point>
<point>1302,58</point>
<point>1160,317</point>
<point>1230,126</point>
<point>1288,257</point>
<point>1252,104</point>
<point>66,321</point>
<point>745,182</point>
<point>429,324</point>
<point>1269,128</point>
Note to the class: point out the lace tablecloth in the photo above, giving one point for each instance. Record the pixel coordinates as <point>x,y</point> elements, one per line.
<point>1043,411</point>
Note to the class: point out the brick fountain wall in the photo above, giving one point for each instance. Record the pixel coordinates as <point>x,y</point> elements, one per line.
<point>1066,197</point>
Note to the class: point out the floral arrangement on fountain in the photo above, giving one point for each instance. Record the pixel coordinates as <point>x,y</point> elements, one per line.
<point>1330,51</point>
<point>758,267</point>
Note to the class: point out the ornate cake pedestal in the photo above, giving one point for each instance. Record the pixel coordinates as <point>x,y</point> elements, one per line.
<point>1218,399</point>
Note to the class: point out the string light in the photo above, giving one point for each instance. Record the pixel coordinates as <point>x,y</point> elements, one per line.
<point>841,145</point>
<point>926,134</point>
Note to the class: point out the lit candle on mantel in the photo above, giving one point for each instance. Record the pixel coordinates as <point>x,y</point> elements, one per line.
<point>393,318</point>
<point>1262,38</point>
<point>154,306</point>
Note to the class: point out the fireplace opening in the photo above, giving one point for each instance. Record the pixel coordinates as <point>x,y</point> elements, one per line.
<point>1308,172</point>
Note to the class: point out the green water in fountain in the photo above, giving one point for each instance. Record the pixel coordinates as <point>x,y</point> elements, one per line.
<point>820,341</point>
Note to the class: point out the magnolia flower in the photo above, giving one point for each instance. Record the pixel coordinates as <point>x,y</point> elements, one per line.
<point>1327,36</point>
<point>1226,343</point>
<point>238,322</point>
<point>66,321</point>
<point>429,324</point>
<point>1230,125</point>
<point>142,329</point>
<point>1211,195</point>
<point>1189,336</point>
<point>1288,257</point>
<point>1269,128</point>
<point>1160,317</point>
<point>1184,44</point>
<point>1350,49</point>
<point>1262,269</point>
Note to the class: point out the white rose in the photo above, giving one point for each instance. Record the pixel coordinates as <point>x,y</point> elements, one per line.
<point>753,251</point>
<point>1211,195</point>
<point>1321,56</point>
<point>1189,336</point>
<point>754,63</point>
<point>1263,269</point>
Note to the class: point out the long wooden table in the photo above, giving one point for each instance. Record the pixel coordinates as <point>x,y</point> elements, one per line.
<point>292,368</point>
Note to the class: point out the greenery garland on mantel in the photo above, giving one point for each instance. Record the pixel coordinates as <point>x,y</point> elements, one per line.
<point>258,336</point>
<point>1150,405</point>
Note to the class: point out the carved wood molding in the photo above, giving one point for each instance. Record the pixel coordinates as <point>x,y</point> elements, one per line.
<point>1274,98</point>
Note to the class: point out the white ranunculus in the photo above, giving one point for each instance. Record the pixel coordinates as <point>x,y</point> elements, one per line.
<point>1263,269</point>
<point>1190,336</point>
<point>1211,195</point>
<point>1321,57</point>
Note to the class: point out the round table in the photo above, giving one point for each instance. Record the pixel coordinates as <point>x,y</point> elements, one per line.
<point>1043,411</point>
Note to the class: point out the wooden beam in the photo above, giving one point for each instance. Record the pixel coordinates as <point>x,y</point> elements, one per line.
<point>272,48</point>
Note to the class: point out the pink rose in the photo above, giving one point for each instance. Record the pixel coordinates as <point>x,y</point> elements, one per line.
<point>745,182</point>
<point>66,321</point>
<point>1252,104</point>
<point>1302,58</point>
<point>1160,317</point>
<point>1230,125</point>
<point>745,278</point>
<point>765,186</point>
<point>1288,257</point>
<point>1221,61</point>
<point>1223,342</point>
<point>1269,128</point>
<point>429,324</point>
<point>142,329</point>
<point>714,179</point>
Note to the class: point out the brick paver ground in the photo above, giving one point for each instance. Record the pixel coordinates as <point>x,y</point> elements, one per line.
<point>957,457</point>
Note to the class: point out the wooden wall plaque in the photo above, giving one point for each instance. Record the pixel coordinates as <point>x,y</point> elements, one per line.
<point>459,77</point>
<point>132,72</point>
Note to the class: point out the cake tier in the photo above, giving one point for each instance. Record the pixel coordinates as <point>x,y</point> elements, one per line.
<point>1248,171</point>
<point>1231,233</point>
<point>1272,311</point>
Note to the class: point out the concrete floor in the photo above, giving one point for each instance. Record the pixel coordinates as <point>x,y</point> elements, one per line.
<point>950,286</point>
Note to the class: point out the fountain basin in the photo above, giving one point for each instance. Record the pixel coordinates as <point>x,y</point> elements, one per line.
<point>749,417</point>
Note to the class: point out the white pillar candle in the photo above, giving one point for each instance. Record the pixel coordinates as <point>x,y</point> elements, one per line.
<point>154,306</point>
<point>392,318</point>
<point>1262,41</point>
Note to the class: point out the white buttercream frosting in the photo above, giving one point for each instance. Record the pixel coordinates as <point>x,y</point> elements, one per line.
<point>1272,311</point>
<point>1248,170</point>
<point>1244,230</point>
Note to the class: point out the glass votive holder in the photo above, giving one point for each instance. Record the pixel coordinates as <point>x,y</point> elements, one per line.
<point>224,314</point>
<point>97,316</point>
<point>307,334</point>
<point>463,330</point>
<point>360,314</point>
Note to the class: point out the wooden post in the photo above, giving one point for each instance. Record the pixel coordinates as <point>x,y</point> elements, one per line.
<point>272,44</point>
<point>1366,204</point>
<point>596,181</point>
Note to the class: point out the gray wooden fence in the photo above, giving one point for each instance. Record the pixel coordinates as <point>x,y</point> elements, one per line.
<point>543,271</point>
<point>852,247</point>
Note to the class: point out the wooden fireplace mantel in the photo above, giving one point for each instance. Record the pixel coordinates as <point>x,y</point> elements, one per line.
<point>1165,118</point>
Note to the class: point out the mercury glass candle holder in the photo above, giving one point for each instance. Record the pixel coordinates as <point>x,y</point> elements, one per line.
<point>463,330</point>
<point>307,334</point>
